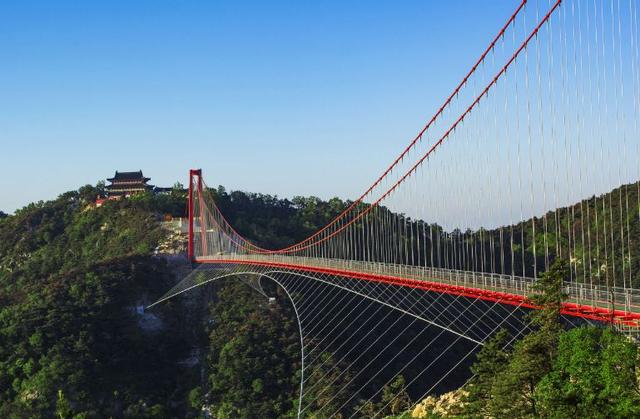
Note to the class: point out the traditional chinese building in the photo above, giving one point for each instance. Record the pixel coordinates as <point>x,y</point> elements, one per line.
<point>124,184</point>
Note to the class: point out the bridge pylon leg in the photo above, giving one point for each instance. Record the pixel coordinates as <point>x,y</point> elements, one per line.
<point>193,174</point>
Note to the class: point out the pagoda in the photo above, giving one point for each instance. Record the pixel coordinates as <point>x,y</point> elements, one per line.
<point>124,184</point>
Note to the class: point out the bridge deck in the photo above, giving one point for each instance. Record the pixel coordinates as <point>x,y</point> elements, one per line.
<point>585,300</point>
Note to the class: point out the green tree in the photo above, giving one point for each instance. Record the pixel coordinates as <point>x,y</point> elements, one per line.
<point>395,398</point>
<point>490,361</point>
<point>253,356</point>
<point>63,408</point>
<point>393,402</point>
<point>329,386</point>
<point>89,193</point>
<point>594,375</point>
<point>583,372</point>
<point>549,296</point>
<point>533,356</point>
<point>196,398</point>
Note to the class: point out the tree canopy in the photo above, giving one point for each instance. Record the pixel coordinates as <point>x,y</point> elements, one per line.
<point>586,371</point>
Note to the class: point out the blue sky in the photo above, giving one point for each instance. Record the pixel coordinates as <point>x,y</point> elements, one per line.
<point>288,98</point>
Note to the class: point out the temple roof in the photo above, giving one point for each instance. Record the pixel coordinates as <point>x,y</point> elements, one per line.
<point>129,177</point>
<point>127,187</point>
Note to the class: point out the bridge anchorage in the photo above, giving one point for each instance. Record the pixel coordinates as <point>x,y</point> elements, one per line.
<point>532,158</point>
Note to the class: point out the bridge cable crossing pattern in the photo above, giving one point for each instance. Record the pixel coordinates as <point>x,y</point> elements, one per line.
<point>532,158</point>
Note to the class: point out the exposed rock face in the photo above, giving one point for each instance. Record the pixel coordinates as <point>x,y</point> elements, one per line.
<point>175,242</point>
<point>447,404</point>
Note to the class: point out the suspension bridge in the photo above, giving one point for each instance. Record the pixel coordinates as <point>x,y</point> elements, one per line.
<point>533,157</point>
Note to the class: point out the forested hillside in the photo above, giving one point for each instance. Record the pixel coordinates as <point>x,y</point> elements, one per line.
<point>70,340</point>
<point>74,343</point>
<point>272,222</point>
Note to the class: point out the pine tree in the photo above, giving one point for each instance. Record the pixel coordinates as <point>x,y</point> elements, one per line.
<point>395,398</point>
<point>490,361</point>
<point>533,356</point>
<point>63,408</point>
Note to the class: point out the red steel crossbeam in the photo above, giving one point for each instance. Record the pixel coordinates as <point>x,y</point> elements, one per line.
<point>571,309</point>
